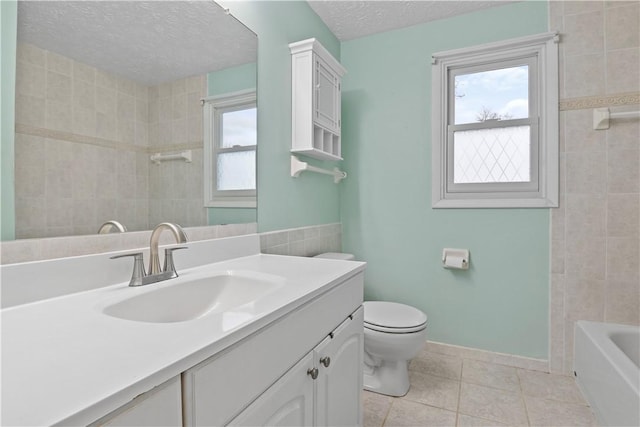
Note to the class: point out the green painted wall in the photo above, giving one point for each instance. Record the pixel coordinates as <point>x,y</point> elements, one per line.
<point>501,303</point>
<point>283,201</point>
<point>232,79</point>
<point>8,28</point>
<point>222,82</point>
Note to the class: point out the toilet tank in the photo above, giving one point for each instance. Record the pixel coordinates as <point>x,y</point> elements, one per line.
<point>336,255</point>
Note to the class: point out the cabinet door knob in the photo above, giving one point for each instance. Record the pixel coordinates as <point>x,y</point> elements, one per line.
<point>313,372</point>
<point>326,361</point>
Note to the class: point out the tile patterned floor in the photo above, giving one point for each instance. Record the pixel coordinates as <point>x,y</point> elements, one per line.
<point>453,391</point>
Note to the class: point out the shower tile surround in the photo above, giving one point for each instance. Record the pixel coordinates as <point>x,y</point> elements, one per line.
<point>83,141</point>
<point>595,233</point>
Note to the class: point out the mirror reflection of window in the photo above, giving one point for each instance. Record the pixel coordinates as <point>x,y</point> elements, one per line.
<point>230,138</point>
<point>236,149</point>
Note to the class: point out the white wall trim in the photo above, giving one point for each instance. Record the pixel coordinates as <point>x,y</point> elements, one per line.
<point>544,48</point>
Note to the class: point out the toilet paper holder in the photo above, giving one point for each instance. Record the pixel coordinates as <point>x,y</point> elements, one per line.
<point>455,258</point>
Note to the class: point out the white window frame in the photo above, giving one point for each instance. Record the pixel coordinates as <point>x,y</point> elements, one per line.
<point>540,52</point>
<point>213,108</point>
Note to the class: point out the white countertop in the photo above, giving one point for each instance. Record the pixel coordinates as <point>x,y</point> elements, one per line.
<point>66,362</point>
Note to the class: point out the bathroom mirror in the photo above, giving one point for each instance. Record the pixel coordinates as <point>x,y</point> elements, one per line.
<point>109,115</point>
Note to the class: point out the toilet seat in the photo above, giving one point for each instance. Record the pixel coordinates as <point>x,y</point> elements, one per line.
<point>394,330</point>
<point>394,318</point>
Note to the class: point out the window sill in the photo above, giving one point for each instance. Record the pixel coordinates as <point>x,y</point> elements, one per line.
<point>493,203</point>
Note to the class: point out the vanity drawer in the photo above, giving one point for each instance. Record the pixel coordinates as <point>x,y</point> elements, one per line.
<point>222,386</point>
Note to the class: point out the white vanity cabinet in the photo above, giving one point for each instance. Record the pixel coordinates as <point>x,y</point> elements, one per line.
<point>339,360</point>
<point>289,402</point>
<point>267,377</point>
<point>316,80</point>
<point>202,371</point>
<point>161,406</point>
<point>323,389</point>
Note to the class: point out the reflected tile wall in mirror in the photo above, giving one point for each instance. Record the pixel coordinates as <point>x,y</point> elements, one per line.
<point>83,140</point>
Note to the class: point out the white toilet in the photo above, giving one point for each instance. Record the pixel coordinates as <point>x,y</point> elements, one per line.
<point>393,335</point>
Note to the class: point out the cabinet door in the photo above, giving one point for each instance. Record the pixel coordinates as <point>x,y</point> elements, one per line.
<point>289,402</point>
<point>339,385</point>
<point>327,100</point>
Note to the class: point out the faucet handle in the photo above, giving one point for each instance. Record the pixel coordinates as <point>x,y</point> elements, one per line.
<point>168,260</point>
<point>138,267</point>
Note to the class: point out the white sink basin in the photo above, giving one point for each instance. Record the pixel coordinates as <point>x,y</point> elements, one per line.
<point>192,299</point>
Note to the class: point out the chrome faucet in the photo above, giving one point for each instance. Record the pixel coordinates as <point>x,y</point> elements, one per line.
<point>139,276</point>
<point>154,259</point>
<point>112,226</point>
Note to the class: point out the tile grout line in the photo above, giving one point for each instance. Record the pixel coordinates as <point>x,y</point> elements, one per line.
<point>384,419</point>
<point>459,393</point>
<point>489,387</point>
<point>524,401</point>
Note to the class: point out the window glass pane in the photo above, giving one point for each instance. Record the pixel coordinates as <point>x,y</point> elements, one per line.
<point>236,171</point>
<point>238,128</point>
<point>492,155</point>
<point>492,95</point>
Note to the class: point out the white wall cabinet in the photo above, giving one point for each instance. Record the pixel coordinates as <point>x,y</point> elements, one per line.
<point>323,389</point>
<point>316,80</point>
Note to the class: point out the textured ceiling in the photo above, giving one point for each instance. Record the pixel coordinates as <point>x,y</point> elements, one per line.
<point>150,42</point>
<point>349,19</point>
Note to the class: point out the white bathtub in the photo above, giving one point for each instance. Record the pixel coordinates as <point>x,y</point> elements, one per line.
<point>607,369</point>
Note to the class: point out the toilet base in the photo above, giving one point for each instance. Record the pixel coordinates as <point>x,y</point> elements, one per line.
<point>390,378</point>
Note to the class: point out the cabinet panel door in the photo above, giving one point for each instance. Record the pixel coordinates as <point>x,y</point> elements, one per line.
<point>327,96</point>
<point>339,385</point>
<point>289,402</point>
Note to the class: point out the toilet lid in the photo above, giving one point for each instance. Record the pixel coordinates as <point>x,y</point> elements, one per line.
<point>393,317</point>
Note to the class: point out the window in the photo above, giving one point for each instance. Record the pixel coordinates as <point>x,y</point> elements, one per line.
<point>230,140</point>
<point>495,125</point>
